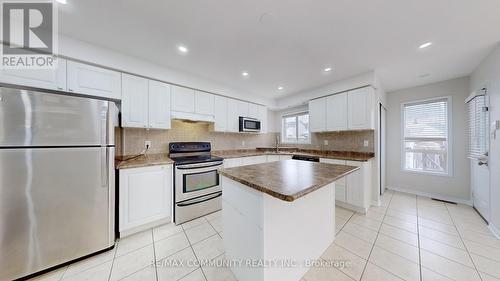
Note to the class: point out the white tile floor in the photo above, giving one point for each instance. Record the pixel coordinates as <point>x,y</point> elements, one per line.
<point>407,238</point>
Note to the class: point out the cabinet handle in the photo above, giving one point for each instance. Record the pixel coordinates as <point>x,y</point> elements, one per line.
<point>71,90</point>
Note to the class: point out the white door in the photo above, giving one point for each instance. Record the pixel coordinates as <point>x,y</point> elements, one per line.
<point>317,115</point>
<point>478,151</point>
<point>360,109</point>
<point>220,114</point>
<point>134,101</point>
<point>52,79</point>
<point>94,81</point>
<point>336,112</point>
<point>159,105</point>
<point>382,141</point>
<point>204,103</point>
<point>183,99</point>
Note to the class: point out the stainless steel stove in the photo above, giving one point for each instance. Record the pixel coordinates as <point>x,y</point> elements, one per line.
<point>197,191</point>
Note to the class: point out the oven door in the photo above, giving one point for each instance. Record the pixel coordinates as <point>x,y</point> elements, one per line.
<point>194,180</point>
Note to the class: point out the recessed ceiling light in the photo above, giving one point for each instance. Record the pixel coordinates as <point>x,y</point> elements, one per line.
<point>425,45</point>
<point>182,49</point>
<point>244,73</point>
<point>280,88</point>
<point>328,69</point>
<point>62,1</point>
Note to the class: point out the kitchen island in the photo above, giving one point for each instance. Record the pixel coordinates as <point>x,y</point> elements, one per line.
<point>278,216</point>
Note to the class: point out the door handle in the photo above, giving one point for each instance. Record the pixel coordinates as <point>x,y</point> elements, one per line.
<point>104,167</point>
<point>481,163</point>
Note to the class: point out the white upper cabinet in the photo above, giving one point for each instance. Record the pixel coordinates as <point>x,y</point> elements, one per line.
<point>159,105</point>
<point>360,109</point>
<point>262,116</point>
<point>253,111</point>
<point>204,103</point>
<point>145,103</point>
<point>134,101</point>
<point>336,112</point>
<point>243,108</point>
<point>183,99</point>
<point>220,114</point>
<point>233,114</point>
<point>94,81</point>
<point>317,115</point>
<point>51,79</point>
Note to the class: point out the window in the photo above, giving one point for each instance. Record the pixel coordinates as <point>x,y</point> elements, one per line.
<point>295,128</point>
<point>426,132</point>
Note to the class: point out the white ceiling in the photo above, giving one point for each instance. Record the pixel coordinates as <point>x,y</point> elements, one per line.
<point>289,42</point>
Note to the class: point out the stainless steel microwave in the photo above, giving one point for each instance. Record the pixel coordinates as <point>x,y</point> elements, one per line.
<point>248,124</point>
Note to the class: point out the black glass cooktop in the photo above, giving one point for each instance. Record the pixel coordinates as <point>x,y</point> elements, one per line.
<point>195,159</point>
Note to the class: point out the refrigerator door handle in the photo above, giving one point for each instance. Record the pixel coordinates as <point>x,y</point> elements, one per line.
<point>104,166</point>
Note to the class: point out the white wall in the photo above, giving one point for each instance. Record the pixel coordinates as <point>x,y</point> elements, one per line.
<point>79,50</point>
<point>455,188</point>
<point>488,75</point>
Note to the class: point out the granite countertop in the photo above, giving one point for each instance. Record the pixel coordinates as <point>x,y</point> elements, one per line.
<point>142,161</point>
<point>288,180</point>
<point>342,155</point>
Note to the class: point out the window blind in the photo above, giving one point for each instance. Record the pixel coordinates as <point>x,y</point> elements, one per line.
<point>426,120</point>
<point>478,127</point>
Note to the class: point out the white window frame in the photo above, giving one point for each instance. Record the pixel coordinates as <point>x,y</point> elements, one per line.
<point>449,138</point>
<point>297,141</point>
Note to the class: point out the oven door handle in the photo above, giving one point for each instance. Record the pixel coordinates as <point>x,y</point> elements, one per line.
<point>200,199</point>
<point>195,166</point>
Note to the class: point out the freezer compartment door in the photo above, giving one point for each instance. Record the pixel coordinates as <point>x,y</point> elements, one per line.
<point>56,205</point>
<point>30,118</point>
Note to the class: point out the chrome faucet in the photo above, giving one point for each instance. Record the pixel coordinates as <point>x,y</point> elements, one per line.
<point>277,143</point>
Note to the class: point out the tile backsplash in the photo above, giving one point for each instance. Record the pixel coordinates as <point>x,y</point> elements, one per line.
<point>341,141</point>
<point>133,139</point>
<point>130,141</point>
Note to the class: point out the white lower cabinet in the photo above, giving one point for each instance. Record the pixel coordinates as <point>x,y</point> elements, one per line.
<point>254,160</point>
<point>145,198</point>
<point>354,190</point>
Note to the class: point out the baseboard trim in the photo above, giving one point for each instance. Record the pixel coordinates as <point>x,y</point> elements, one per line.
<point>494,230</point>
<point>431,195</point>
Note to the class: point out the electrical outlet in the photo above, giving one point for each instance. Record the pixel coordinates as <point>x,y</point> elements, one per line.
<point>325,142</point>
<point>147,144</point>
<point>365,143</point>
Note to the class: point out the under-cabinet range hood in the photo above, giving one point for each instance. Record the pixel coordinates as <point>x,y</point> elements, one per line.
<point>192,116</point>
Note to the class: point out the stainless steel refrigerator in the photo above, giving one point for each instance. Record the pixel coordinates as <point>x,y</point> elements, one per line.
<point>57,183</point>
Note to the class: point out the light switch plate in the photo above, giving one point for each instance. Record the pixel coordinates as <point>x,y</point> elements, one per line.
<point>325,142</point>
<point>147,144</point>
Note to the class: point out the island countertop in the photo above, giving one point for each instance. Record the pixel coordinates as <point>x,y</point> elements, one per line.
<point>288,180</point>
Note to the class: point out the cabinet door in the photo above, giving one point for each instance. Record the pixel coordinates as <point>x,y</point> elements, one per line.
<point>182,99</point>
<point>285,157</point>
<point>94,81</point>
<point>134,101</point>
<point>355,183</point>
<point>145,195</point>
<point>243,108</point>
<point>204,103</point>
<point>263,118</point>
<point>52,79</point>
<point>340,192</point>
<point>336,112</point>
<point>253,111</point>
<point>159,105</point>
<point>220,114</point>
<point>317,115</point>
<point>233,122</point>
<point>360,109</point>
<point>232,162</point>
<point>273,158</point>
<point>254,160</point>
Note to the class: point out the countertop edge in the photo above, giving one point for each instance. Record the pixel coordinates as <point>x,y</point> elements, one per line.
<point>286,197</point>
